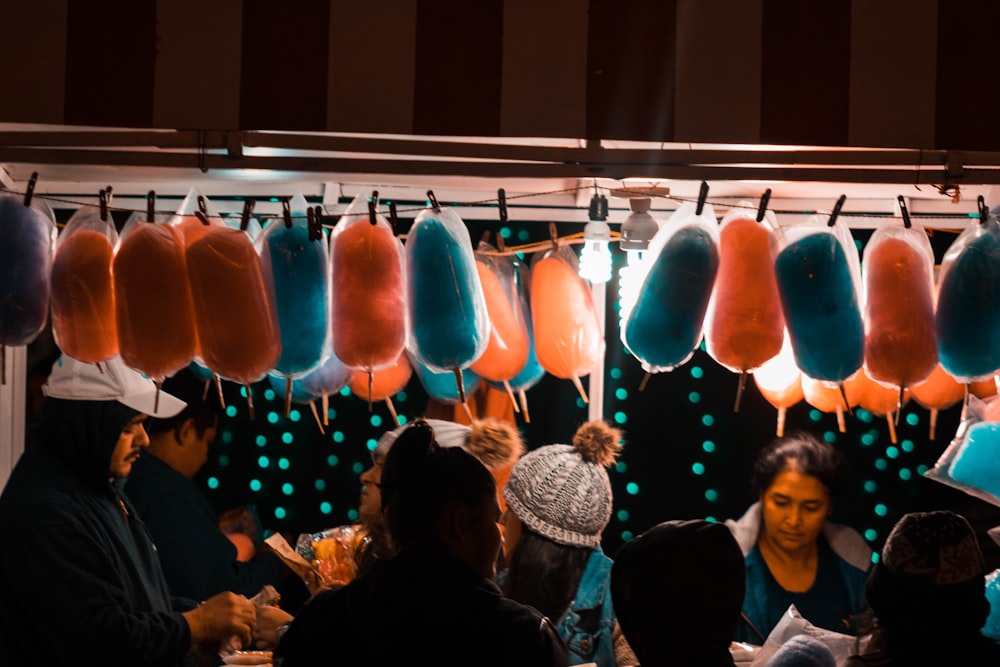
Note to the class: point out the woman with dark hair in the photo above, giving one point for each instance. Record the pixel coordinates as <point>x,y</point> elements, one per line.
<point>434,601</point>
<point>558,504</point>
<point>794,555</point>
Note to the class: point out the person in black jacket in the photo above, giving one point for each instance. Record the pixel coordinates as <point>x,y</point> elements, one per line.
<point>198,559</point>
<point>434,601</point>
<point>80,580</point>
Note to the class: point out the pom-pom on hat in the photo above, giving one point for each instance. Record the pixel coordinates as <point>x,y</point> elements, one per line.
<point>933,549</point>
<point>562,492</point>
<point>113,381</point>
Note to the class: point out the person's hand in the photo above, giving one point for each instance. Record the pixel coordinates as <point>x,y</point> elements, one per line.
<point>269,619</point>
<point>221,617</point>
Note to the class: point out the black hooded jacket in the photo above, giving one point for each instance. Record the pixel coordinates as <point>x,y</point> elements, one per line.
<point>80,581</point>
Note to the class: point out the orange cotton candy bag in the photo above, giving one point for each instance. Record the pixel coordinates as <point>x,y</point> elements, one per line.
<point>368,311</point>
<point>567,332</point>
<point>507,350</point>
<point>83,297</point>
<point>898,277</point>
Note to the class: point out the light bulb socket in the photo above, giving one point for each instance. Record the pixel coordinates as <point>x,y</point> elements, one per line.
<point>597,230</point>
<point>598,207</point>
<point>638,230</point>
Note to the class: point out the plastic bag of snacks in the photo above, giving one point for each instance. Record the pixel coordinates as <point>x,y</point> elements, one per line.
<point>332,552</point>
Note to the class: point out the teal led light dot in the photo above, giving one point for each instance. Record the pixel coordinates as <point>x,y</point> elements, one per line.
<point>881,464</point>
<point>504,232</point>
<point>906,446</point>
<point>325,507</point>
<point>627,536</point>
<point>523,235</point>
<point>332,460</point>
<point>376,420</point>
<point>881,509</point>
<point>212,482</point>
<point>632,488</point>
<point>287,437</point>
<point>346,391</point>
<point>616,373</point>
<point>711,495</point>
<point>261,440</point>
<point>905,474</point>
<point>871,486</point>
<point>697,372</point>
<point>358,467</point>
<point>621,393</point>
<point>283,463</point>
<point>295,415</point>
<point>352,515</point>
<point>815,415</point>
<point>338,436</point>
<point>830,436</point>
<point>921,469</point>
<point>863,415</point>
<point>255,485</point>
<point>226,436</point>
<point>223,460</point>
<point>401,397</point>
<point>371,444</point>
<point>580,402</point>
<point>698,468</point>
<point>319,484</point>
<point>892,452</point>
<point>287,489</point>
<point>331,414</point>
<point>621,466</point>
<point>402,418</point>
<point>912,419</point>
<point>871,535</point>
<point>279,512</point>
<point>707,420</point>
<point>263,462</point>
<point>620,417</point>
<point>694,397</point>
<point>269,394</point>
<point>867,439</point>
<point>231,411</point>
<point>272,417</point>
<point>623,515</point>
<point>708,446</point>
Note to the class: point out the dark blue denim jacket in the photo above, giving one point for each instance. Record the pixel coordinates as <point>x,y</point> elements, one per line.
<point>587,625</point>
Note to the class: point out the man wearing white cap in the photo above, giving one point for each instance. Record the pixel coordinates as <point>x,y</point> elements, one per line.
<point>80,580</point>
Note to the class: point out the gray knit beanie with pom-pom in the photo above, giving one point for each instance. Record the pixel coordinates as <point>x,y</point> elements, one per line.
<point>562,492</point>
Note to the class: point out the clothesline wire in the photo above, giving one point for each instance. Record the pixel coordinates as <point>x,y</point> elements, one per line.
<point>510,250</point>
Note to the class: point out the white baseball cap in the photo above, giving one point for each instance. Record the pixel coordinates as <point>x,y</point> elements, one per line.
<point>113,381</point>
<point>446,433</point>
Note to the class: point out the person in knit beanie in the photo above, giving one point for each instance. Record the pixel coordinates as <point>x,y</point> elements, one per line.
<point>558,503</point>
<point>928,592</point>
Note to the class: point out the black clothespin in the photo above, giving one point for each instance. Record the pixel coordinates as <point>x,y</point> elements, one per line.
<point>103,198</point>
<point>202,212</point>
<point>905,212</point>
<point>393,218</point>
<point>248,205</point>
<point>702,196</point>
<point>286,212</point>
<point>316,225</point>
<point>502,205</point>
<point>372,204</point>
<point>29,191</point>
<point>836,211</point>
<point>434,201</point>
<point>984,212</point>
<point>151,206</point>
<point>764,199</point>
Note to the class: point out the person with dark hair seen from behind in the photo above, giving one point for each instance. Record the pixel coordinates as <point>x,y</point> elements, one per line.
<point>677,590</point>
<point>80,578</point>
<point>434,601</point>
<point>558,503</point>
<point>794,554</point>
<point>928,592</point>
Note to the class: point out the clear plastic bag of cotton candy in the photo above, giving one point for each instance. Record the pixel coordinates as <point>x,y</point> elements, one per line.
<point>971,462</point>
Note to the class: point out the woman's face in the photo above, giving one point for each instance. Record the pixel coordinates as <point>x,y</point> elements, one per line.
<point>794,508</point>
